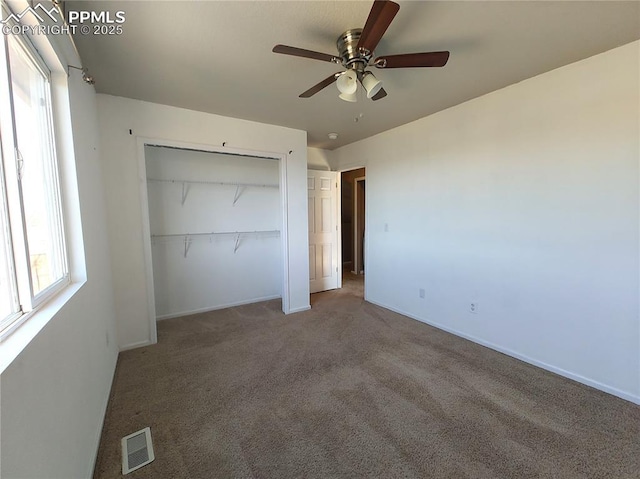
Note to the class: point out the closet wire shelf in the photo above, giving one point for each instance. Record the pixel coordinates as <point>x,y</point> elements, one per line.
<point>239,186</point>
<point>188,238</point>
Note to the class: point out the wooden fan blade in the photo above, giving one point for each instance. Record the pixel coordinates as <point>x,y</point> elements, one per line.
<point>410,60</point>
<point>380,17</point>
<point>300,52</point>
<point>380,94</point>
<point>323,84</point>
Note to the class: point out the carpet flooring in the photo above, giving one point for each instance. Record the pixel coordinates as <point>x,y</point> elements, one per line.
<point>349,390</point>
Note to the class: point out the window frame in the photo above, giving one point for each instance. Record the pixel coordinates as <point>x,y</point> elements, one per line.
<point>25,301</point>
<point>8,321</point>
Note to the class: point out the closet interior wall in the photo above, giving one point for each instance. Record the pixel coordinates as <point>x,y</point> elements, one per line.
<point>214,221</point>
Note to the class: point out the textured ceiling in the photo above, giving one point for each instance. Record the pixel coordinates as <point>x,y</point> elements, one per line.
<point>216,56</point>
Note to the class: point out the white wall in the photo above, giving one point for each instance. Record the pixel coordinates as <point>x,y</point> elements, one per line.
<point>55,392</point>
<point>213,274</point>
<point>119,154</point>
<point>526,202</point>
<point>319,159</point>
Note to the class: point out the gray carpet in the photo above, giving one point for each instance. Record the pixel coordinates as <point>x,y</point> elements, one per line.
<point>347,390</point>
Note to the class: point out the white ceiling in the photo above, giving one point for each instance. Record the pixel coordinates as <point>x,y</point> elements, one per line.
<point>216,56</point>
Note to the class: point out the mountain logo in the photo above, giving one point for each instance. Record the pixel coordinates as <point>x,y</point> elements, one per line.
<point>39,11</point>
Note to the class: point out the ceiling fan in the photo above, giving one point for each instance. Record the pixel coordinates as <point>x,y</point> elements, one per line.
<point>355,54</point>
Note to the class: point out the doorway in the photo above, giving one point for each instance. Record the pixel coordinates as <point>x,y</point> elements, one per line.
<point>358,228</point>
<point>352,219</point>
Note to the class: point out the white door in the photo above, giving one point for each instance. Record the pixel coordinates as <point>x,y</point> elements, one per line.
<point>323,230</point>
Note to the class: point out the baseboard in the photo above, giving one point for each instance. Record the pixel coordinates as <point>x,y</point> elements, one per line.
<point>548,367</point>
<point>139,344</point>
<point>215,308</point>
<point>298,310</point>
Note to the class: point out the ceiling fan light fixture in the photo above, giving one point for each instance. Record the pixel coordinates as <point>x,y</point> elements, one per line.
<point>350,97</point>
<point>347,82</point>
<point>371,84</point>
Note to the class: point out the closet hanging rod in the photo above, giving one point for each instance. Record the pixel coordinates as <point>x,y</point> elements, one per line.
<point>214,233</point>
<point>223,183</point>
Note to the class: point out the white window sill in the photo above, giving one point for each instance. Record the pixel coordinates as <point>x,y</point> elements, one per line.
<point>18,340</point>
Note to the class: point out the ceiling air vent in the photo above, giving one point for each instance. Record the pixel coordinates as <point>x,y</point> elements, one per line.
<point>137,450</point>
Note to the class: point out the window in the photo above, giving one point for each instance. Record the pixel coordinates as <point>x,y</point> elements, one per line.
<point>33,263</point>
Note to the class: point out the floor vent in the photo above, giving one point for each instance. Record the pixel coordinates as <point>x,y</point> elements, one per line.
<point>137,450</point>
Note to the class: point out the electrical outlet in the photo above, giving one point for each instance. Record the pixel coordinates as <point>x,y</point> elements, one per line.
<point>421,293</point>
<point>473,308</point>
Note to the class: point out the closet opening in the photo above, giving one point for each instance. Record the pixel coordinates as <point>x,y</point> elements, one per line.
<point>215,228</point>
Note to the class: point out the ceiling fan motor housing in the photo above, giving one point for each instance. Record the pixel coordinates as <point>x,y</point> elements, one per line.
<point>347,44</point>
